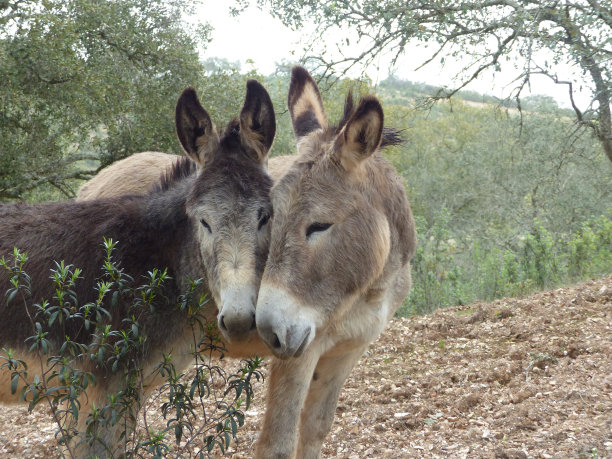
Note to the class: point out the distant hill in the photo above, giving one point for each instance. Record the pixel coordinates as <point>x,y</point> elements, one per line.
<point>403,92</point>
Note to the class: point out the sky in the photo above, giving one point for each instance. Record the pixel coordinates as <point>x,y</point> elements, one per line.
<point>255,35</point>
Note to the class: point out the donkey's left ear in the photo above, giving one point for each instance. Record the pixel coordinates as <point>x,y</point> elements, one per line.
<point>257,122</point>
<point>361,135</point>
<point>305,103</point>
<point>194,127</point>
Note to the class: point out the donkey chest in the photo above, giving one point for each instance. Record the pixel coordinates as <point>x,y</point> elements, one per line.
<point>361,324</point>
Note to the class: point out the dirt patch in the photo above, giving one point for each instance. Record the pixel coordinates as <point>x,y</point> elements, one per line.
<point>515,378</point>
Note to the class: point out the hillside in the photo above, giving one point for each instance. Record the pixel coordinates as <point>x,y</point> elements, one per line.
<point>515,378</point>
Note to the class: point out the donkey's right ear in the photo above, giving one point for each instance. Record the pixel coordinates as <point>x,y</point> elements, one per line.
<point>305,103</point>
<point>194,128</point>
<point>257,122</point>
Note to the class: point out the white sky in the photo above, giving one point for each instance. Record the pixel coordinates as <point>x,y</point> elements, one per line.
<point>255,35</point>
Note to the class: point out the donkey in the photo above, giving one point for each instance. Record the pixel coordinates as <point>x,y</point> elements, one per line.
<point>342,238</point>
<point>139,173</point>
<point>136,174</point>
<point>210,223</point>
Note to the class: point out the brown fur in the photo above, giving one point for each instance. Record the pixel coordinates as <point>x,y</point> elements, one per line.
<point>355,281</point>
<point>338,267</point>
<point>162,228</point>
<point>143,170</point>
<point>122,177</point>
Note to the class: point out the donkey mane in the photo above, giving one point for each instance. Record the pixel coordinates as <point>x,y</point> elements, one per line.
<point>179,171</point>
<point>390,136</point>
<point>185,167</point>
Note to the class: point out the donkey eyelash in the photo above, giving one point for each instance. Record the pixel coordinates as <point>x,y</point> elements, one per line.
<point>317,227</point>
<point>262,221</point>
<point>205,225</point>
<point>263,216</point>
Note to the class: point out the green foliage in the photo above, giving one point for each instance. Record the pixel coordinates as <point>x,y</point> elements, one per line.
<point>60,381</point>
<point>444,274</point>
<point>504,203</point>
<point>539,261</point>
<point>88,82</point>
<point>590,248</point>
<point>433,271</point>
<point>496,171</point>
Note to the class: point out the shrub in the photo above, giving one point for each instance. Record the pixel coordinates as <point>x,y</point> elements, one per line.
<point>448,271</point>
<point>590,248</point>
<point>538,258</point>
<point>205,403</point>
<point>435,275</point>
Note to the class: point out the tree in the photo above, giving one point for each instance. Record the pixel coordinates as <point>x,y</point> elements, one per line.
<point>537,35</point>
<point>88,80</point>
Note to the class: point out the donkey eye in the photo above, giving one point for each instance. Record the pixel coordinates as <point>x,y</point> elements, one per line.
<point>317,228</point>
<point>263,216</point>
<point>205,225</point>
<point>262,221</point>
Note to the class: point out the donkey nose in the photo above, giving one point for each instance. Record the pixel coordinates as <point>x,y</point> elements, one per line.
<point>236,317</point>
<point>236,325</point>
<point>275,341</point>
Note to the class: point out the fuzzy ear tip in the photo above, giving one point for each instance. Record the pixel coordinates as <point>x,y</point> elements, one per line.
<point>189,97</point>
<point>254,89</point>
<point>298,69</point>
<point>299,73</point>
<point>188,92</point>
<point>253,84</point>
<point>371,102</point>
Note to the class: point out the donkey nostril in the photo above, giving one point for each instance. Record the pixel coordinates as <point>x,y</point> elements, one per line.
<point>222,323</point>
<point>276,343</point>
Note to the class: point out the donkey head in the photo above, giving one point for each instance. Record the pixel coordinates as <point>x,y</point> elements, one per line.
<point>229,202</point>
<point>330,236</point>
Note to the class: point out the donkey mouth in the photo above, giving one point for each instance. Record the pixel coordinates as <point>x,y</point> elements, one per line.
<point>305,341</point>
<point>286,352</point>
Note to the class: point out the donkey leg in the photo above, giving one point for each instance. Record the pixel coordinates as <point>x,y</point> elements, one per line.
<point>288,385</point>
<point>320,406</point>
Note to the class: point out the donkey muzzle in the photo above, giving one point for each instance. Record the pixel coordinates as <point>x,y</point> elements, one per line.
<point>236,317</point>
<point>282,324</point>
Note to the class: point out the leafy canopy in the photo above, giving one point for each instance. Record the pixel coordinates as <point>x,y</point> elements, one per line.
<point>537,35</point>
<point>88,80</point>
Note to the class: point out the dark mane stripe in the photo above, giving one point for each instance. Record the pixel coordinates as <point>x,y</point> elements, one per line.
<point>349,108</point>
<point>180,170</point>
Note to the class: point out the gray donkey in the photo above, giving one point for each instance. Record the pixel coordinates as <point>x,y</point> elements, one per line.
<point>211,222</point>
<point>341,242</point>
<point>342,238</point>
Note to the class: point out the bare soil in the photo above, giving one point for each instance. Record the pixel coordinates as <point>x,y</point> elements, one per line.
<point>511,379</point>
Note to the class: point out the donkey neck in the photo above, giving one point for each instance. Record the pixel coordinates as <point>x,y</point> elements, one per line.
<point>160,229</point>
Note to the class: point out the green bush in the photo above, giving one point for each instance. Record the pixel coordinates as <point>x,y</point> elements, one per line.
<point>61,383</point>
<point>435,275</point>
<point>449,271</point>
<point>540,260</point>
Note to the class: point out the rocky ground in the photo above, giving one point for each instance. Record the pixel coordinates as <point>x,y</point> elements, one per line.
<point>515,378</point>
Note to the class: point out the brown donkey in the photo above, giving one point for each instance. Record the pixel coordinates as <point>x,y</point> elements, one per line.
<point>137,174</point>
<point>211,223</point>
<point>338,268</point>
<point>342,239</point>
<point>140,172</point>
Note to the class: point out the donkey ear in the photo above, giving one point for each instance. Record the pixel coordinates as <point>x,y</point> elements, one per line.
<point>305,103</point>
<point>257,122</point>
<point>195,130</point>
<point>361,135</point>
